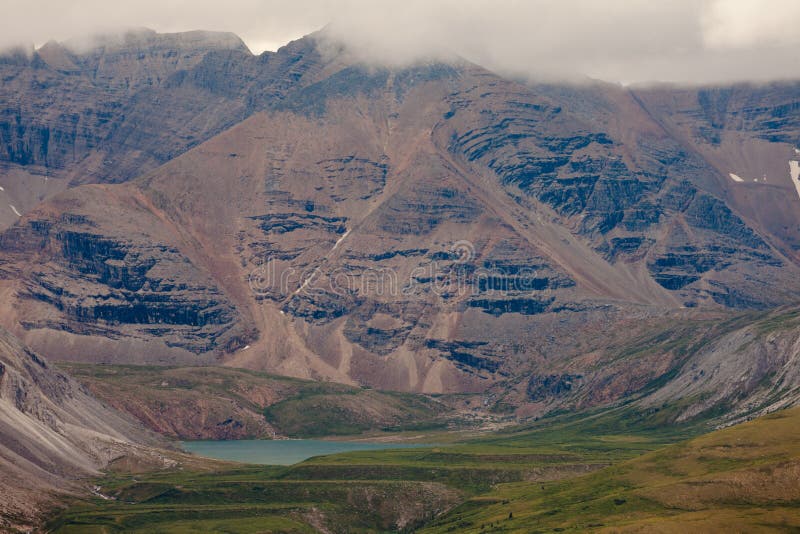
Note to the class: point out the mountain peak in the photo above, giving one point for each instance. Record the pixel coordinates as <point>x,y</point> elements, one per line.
<point>56,56</point>
<point>144,58</point>
<point>145,38</point>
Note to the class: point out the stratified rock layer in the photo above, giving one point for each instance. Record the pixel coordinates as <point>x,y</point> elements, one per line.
<point>433,228</point>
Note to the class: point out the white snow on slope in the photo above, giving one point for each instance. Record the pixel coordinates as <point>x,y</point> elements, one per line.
<point>736,178</point>
<point>794,174</point>
<point>18,214</point>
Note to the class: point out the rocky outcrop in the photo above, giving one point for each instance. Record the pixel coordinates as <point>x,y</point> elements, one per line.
<point>130,102</point>
<point>548,387</point>
<point>424,209</point>
<point>119,284</point>
<point>467,355</point>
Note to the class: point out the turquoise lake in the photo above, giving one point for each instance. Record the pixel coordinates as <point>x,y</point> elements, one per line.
<point>281,452</point>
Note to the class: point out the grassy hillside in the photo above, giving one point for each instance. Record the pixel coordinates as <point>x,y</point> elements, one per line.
<point>622,468</point>
<point>225,403</point>
<point>401,489</point>
<point>255,499</point>
<point>744,478</point>
<point>565,474</point>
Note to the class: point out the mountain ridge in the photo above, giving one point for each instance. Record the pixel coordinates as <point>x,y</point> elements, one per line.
<point>579,208</point>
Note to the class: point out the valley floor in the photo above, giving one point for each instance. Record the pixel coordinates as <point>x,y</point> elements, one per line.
<point>600,471</point>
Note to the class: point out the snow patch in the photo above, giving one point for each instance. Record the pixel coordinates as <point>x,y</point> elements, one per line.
<point>794,174</point>
<point>18,214</point>
<point>246,347</point>
<point>736,177</point>
<point>1,188</point>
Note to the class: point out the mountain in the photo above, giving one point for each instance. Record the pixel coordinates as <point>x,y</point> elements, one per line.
<point>432,228</point>
<point>108,108</point>
<point>750,134</point>
<point>53,433</point>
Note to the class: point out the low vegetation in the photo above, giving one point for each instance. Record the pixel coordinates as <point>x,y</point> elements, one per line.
<point>615,469</point>
<point>744,478</point>
<point>365,491</point>
<point>223,403</point>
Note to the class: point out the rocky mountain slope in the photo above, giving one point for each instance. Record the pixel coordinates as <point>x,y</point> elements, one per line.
<point>433,228</point>
<point>52,433</point>
<point>740,369</point>
<point>108,108</point>
<point>751,135</point>
<point>716,370</point>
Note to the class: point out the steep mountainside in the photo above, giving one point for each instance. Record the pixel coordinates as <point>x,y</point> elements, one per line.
<point>751,136</point>
<point>52,431</point>
<point>713,369</point>
<point>107,109</point>
<point>433,228</point>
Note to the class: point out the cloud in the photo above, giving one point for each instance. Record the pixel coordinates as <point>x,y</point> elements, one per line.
<point>263,24</point>
<point>743,24</point>
<point>567,38</point>
<point>688,41</point>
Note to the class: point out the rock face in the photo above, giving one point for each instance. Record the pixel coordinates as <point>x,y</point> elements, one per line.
<point>750,131</point>
<point>744,369</point>
<point>96,84</point>
<point>52,431</point>
<point>107,109</point>
<point>434,228</point>
<point>132,285</point>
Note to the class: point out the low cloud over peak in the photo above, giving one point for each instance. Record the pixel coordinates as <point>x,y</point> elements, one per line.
<point>684,41</point>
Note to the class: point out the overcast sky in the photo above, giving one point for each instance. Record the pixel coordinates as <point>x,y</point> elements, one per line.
<point>614,40</point>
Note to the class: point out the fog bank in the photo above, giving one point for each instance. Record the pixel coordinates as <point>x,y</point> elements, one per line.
<point>699,41</point>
